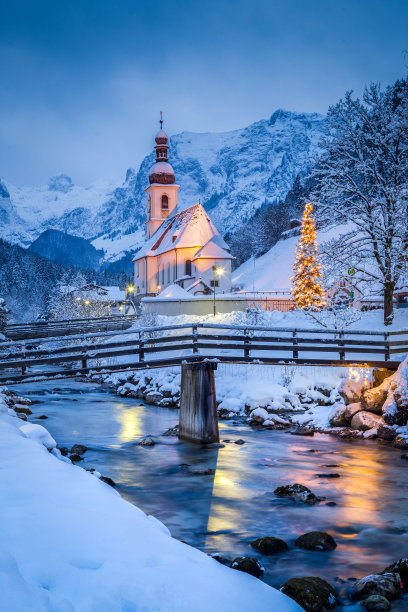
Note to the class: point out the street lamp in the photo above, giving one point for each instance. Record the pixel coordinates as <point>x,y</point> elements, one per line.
<point>129,289</point>
<point>217,271</point>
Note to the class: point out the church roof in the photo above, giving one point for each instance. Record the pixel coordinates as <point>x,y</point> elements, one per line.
<point>191,227</point>
<point>212,250</point>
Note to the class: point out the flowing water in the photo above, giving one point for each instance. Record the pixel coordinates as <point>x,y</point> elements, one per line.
<point>225,510</point>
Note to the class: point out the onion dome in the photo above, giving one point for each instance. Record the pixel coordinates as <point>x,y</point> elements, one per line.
<point>161,137</point>
<point>162,172</point>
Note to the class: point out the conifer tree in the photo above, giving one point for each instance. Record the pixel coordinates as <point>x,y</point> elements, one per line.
<point>307,290</point>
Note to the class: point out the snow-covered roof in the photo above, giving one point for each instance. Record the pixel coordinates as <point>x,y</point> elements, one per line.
<point>191,227</point>
<point>198,282</point>
<point>211,250</point>
<point>173,291</point>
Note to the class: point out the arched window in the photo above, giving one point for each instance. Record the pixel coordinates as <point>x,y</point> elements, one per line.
<point>149,205</point>
<point>164,202</point>
<point>168,272</point>
<point>188,267</point>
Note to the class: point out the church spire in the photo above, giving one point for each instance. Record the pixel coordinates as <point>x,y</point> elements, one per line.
<point>162,172</point>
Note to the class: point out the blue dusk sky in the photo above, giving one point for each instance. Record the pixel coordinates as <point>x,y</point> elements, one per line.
<point>83,81</point>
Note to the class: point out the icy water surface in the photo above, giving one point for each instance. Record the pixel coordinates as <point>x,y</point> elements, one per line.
<point>223,512</point>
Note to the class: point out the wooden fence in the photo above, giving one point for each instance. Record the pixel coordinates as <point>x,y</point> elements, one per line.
<point>177,344</point>
<point>45,329</point>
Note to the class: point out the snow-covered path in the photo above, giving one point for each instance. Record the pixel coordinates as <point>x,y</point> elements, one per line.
<point>71,543</point>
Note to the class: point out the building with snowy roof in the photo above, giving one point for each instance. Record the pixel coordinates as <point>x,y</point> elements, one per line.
<point>182,247</point>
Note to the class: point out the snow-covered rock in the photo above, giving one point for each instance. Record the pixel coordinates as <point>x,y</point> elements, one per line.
<point>350,390</point>
<point>39,434</point>
<point>337,415</point>
<point>351,410</point>
<point>366,420</point>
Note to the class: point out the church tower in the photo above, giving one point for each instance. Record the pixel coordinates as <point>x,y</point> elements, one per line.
<point>162,191</point>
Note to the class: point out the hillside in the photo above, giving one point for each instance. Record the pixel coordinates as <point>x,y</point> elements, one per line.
<point>67,250</point>
<point>233,173</point>
<point>273,270</point>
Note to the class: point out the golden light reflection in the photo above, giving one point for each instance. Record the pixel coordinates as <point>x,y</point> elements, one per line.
<point>130,423</point>
<point>224,516</point>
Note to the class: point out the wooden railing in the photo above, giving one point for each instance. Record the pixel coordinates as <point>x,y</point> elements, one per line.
<point>177,344</point>
<point>44,329</point>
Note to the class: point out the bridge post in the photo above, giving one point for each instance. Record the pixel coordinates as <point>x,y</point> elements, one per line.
<point>198,420</point>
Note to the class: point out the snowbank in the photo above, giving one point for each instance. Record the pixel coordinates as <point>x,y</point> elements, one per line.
<point>71,543</point>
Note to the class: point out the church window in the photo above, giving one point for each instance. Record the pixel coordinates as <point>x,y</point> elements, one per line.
<point>214,283</point>
<point>163,274</point>
<point>188,267</point>
<point>149,205</point>
<point>165,202</point>
<point>168,272</point>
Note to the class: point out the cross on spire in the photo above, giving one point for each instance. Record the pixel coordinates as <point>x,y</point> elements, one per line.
<point>161,120</point>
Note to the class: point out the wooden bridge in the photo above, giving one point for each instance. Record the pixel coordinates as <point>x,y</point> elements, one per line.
<point>197,348</point>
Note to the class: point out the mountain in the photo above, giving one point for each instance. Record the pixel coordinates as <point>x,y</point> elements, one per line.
<point>67,250</point>
<point>232,173</point>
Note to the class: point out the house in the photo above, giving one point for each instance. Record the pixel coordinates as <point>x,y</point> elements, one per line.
<point>99,300</point>
<point>182,247</point>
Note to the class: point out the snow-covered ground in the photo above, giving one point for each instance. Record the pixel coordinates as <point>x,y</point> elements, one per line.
<point>70,543</point>
<point>273,270</point>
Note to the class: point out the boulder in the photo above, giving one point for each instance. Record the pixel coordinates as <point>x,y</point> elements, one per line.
<point>376,603</point>
<point>75,458</point>
<point>323,389</point>
<point>401,441</point>
<point>316,540</point>
<point>373,399</point>
<point>297,492</point>
<point>108,481</point>
<point>351,410</point>
<point>147,442</point>
<point>387,432</point>
<point>259,415</point>
<point>400,567</point>
<point>337,416</point>
<point>78,449</point>
<point>249,565</point>
<point>153,398</point>
<point>380,374</point>
<point>312,594</point>
<point>350,390</point>
<point>395,408</point>
<point>22,409</point>
<point>365,420</point>
<point>386,585</point>
<point>269,545</point>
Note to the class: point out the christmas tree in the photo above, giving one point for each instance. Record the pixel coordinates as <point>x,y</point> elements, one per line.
<point>307,290</point>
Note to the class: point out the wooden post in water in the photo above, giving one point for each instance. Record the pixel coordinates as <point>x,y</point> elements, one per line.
<point>198,420</point>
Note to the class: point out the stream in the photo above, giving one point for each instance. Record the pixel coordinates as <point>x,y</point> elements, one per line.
<point>225,510</point>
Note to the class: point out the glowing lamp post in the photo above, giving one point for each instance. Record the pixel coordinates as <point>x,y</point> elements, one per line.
<point>217,271</point>
<point>129,290</point>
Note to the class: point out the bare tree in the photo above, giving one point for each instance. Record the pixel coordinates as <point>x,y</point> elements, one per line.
<point>362,180</point>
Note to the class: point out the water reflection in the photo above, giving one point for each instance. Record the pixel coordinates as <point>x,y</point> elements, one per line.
<point>129,419</point>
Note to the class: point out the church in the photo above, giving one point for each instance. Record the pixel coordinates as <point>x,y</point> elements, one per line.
<point>183,247</point>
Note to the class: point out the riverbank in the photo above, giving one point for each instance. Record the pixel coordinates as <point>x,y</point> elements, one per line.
<point>71,543</point>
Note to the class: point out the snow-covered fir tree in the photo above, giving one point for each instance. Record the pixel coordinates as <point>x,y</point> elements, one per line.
<point>4,311</point>
<point>363,186</point>
<point>307,289</point>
